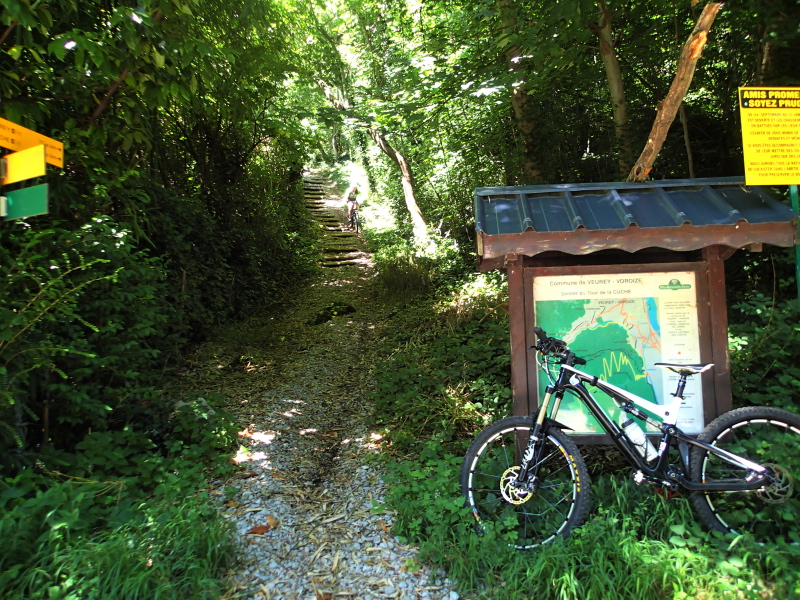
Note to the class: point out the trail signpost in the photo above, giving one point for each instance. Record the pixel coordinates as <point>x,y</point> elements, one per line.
<point>16,137</point>
<point>33,151</point>
<point>771,141</point>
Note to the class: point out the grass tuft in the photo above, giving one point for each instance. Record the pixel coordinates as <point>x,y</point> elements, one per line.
<point>172,552</point>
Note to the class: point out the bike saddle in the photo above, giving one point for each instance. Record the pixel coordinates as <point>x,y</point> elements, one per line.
<point>688,369</point>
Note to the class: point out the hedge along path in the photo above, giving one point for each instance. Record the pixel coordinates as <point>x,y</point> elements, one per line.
<point>302,500</point>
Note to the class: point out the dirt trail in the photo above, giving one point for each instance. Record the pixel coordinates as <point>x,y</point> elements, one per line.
<point>301,392</point>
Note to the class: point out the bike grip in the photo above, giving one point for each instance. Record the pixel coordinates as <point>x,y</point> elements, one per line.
<point>579,361</point>
<point>540,333</point>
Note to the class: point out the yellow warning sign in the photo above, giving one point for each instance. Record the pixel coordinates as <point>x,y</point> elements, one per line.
<point>770,134</point>
<point>16,137</point>
<point>23,165</point>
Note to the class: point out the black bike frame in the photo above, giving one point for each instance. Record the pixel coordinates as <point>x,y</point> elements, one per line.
<point>661,471</point>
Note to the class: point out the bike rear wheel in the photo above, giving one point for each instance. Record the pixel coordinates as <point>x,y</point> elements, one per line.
<point>767,436</point>
<point>524,518</point>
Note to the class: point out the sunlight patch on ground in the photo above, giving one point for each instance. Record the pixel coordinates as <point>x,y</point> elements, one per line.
<point>258,436</point>
<point>337,282</point>
<point>245,454</point>
<point>370,442</point>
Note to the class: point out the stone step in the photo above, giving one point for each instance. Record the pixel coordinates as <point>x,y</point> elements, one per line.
<point>343,250</point>
<point>339,263</point>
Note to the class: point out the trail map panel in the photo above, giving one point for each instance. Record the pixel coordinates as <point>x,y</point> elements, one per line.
<point>623,324</point>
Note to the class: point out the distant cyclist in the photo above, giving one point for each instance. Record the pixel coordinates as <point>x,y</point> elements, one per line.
<point>352,202</point>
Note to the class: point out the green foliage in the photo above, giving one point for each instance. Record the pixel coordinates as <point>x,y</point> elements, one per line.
<point>764,353</point>
<point>82,325</point>
<point>52,548</point>
<point>448,369</point>
<point>425,495</point>
<point>406,271</point>
<point>167,456</point>
<point>126,522</point>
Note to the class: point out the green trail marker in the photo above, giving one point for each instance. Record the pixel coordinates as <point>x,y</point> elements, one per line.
<point>26,202</point>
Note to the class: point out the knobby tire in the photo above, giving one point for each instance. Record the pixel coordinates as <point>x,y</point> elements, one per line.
<point>765,435</point>
<point>524,519</point>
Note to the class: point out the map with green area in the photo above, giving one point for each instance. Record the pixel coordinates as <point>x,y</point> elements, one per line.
<point>620,339</point>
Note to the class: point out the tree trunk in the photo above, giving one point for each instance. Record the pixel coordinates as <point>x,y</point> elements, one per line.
<point>619,106</point>
<point>407,180</point>
<point>520,99</point>
<point>668,107</point>
<point>686,141</point>
<point>778,64</point>
<point>407,177</point>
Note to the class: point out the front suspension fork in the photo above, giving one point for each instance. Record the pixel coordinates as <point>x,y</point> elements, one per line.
<point>531,457</point>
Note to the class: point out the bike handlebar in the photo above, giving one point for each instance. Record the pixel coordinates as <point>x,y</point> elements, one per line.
<point>548,345</point>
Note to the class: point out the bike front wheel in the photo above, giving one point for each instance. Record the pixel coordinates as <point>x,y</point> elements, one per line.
<point>767,436</point>
<point>525,517</point>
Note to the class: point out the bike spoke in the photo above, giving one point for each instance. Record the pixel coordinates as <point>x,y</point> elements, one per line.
<point>525,514</point>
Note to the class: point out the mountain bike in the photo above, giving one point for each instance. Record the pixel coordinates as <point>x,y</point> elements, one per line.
<point>527,477</point>
<point>353,221</point>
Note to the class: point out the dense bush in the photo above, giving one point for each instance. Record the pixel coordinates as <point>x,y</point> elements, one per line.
<point>80,540</point>
<point>82,324</point>
<point>124,519</point>
<point>765,357</point>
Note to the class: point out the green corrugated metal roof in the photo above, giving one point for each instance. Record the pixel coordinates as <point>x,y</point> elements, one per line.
<point>671,203</point>
<point>691,213</point>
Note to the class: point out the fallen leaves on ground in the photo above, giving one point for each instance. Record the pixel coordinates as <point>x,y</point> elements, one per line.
<point>262,529</point>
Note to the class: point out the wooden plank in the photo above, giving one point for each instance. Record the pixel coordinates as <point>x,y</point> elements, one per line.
<point>718,310</point>
<point>633,239</point>
<point>530,354</point>
<point>516,316</point>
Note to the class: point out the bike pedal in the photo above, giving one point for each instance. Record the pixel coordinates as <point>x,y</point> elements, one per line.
<point>668,494</point>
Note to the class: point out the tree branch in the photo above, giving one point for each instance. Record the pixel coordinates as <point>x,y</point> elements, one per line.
<point>8,30</point>
<point>668,107</point>
<point>107,98</point>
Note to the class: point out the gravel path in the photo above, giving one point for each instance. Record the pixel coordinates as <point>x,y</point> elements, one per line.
<point>303,502</point>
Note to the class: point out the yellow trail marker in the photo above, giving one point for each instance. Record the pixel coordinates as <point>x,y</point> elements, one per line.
<point>25,164</point>
<point>16,137</point>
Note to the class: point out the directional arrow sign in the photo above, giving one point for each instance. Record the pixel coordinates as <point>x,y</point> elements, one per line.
<point>26,202</point>
<point>16,137</point>
<point>24,165</point>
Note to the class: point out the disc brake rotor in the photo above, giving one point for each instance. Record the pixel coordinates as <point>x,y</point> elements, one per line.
<point>511,492</point>
<point>781,488</point>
